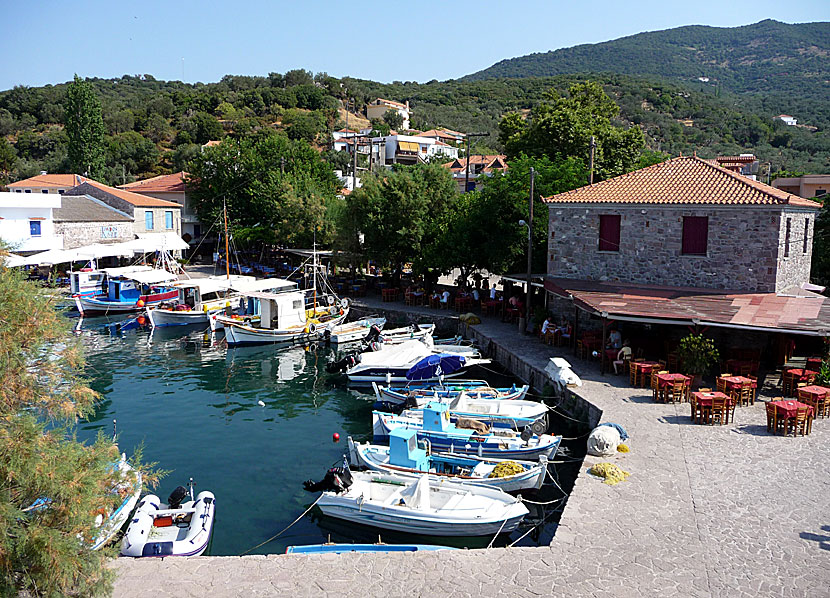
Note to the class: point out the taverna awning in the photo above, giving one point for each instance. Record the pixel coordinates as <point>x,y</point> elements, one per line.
<point>151,276</point>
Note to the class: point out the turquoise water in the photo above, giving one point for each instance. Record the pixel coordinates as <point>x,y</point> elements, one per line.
<point>194,404</point>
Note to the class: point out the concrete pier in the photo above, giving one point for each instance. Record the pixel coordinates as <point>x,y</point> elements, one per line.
<point>707,512</point>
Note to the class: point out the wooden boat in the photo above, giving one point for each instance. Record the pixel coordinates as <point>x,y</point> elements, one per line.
<point>355,331</point>
<point>175,529</point>
<point>444,436</point>
<point>422,393</point>
<point>129,292</point>
<point>396,336</point>
<point>423,505</point>
<point>403,456</point>
<point>495,413</point>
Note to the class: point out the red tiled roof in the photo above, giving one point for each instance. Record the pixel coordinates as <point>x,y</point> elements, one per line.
<point>211,143</point>
<point>683,180</point>
<point>51,181</point>
<point>802,311</point>
<point>166,183</point>
<point>391,103</point>
<point>460,164</point>
<point>136,199</point>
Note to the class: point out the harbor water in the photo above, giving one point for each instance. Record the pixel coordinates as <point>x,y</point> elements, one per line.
<point>249,424</point>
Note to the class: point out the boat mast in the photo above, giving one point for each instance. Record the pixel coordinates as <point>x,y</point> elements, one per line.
<point>227,255</point>
<point>314,265</point>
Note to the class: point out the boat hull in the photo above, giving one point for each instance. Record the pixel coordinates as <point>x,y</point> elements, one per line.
<point>243,334</point>
<point>92,306</point>
<point>425,393</point>
<point>160,317</point>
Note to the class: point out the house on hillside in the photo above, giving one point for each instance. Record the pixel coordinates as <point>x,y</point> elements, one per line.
<point>685,243</point>
<point>47,183</point>
<point>745,164</point>
<point>150,215</point>
<point>409,149</point>
<point>807,186</point>
<point>483,165</point>
<point>378,107</point>
<point>83,220</point>
<point>173,188</point>
<point>27,224</point>
<point>787,119</point>
<point>447,136</point>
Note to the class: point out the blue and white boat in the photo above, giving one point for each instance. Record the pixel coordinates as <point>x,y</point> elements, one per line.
<point>494,413</point>
<point>405,457</point>
<point>110,522</point>
<point>129,292</point>
<point>423,392</point>
<point>444,436</point>
<point>423,505</point>
<point>330,548</point>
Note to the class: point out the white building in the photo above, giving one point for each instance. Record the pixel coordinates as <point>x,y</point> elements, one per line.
<point>379,107</point>
<point>26,222</point>
<point>410,149</point>
<point>787,119</point>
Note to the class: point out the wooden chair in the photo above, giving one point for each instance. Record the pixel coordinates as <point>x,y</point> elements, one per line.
<point>675,392</point>
<point>788,383</point>
<point>632,372</point>
<point>655,384</point>
<point>745,370</point>
<point>799,423</point>
<point>663,365</point>
<point>754,386</point>
<point>718,411</point>
<point>696,413</point>
<point>720,384</point>
<point>747,396</point>
<point>772,418</point>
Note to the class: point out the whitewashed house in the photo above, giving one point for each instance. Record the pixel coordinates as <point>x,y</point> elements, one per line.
<point>26,221</point>
<point>377,108</point>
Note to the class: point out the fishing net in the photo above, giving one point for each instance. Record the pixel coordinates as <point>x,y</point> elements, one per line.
<point>506,469</point>
<point>612,473</point>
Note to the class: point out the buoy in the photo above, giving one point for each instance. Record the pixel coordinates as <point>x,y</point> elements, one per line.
<point>260,403</point>
<point>140,303</point>
<point>335,437</point>
<point>141,320</point>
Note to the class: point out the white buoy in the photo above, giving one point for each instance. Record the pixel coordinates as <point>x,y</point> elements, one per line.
<point>260,403</point>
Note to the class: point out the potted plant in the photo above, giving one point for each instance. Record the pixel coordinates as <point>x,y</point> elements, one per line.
<point>698,354</point>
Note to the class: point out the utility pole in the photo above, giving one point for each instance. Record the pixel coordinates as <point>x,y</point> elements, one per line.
<point>354,168</point>
<point>593,148</point>
<point>467,172</point>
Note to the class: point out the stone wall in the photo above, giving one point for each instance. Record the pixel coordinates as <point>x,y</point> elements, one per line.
<point>742,249</point>
<point>78,234</point>
<point>794,270</point>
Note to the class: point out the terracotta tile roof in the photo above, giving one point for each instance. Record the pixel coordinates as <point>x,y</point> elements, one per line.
<point>683,180</point>
<point>804,311</point>
<point>50,181</point>
<point>491,162</point>
<point>136,199</point>
<point>211,143</point>
<point>166,183</point>
<point>390,103</point>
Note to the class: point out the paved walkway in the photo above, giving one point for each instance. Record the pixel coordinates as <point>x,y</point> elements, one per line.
<point>707,511</point>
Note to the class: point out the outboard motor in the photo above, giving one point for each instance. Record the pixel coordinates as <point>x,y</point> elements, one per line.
<point>341,365</point>
<point>373,335</point>
<point>177,497</point>
<point>337,479</point>
<point>527,434</point>
<point>327,337</point>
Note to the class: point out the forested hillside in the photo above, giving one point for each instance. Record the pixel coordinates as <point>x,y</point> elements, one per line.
<point>768,56</point>
<point>155,126</point>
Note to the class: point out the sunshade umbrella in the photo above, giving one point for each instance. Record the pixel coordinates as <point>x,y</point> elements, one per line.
<point>433,366</point>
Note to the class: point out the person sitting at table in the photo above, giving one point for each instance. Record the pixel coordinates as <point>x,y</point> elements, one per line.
<point>548,329</point>
<point>445,299</point>
<point>476,296</point>
<point>622,355</point>
<point>493,293</point>
<point>614,339</point>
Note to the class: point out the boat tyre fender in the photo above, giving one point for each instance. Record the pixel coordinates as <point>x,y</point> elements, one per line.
<point>344,302</point>
<point>311,328</point>
<point>330,300</point>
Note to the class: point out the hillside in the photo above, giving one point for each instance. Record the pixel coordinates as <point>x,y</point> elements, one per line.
<point>768,56</point>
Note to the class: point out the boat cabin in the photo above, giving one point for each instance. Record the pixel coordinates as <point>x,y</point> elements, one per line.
<point>437,418</point>
<point>88,281</point>
<point>194,293</point>
<point>281,310</point>
<point>404,450</point>
<point>130,287</point>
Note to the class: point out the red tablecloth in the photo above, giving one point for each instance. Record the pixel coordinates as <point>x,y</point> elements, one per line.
<point>790,408</point>
<point>664,380</point>
<point>735,382</point>
<point>704,399</point>
<point>802,374</point>
<point>816,391</point>
<point>814,363</point>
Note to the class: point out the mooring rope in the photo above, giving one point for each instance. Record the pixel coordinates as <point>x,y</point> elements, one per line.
<point>490,545</point>
<point>275,536</point>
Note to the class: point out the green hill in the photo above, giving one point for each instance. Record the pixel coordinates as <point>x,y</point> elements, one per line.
<point>768,56</point>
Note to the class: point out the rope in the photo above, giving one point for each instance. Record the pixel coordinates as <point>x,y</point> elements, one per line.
<point>490,545</point>
<point>550,502</point>
<point>275,536</point>
<point>555,483</point>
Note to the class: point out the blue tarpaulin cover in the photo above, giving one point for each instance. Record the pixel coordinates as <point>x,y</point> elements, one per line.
<point>434,366</point>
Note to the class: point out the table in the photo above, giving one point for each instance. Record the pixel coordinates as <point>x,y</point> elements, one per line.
<point>817,392</point>
<point>736,382</point>
<point>705,400</point>
<point>463,304</point>
<point>666,380</point>
<point>492,307</point>
<point>788,410</point>
<point>814,363</point>
<point>802,374</point>
<point>389,294</point>
<point>641,368</point>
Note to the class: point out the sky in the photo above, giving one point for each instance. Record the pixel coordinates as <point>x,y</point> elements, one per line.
<point>46,42</point>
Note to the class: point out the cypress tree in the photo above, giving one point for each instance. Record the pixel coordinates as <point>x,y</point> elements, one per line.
<point>85,129</point>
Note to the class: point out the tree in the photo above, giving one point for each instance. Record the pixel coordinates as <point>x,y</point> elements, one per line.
<point>393,118</point>
<point>202,127</point>
<point>562,127</point>
<point>8,161</point>
<point>399,213</point>
<point>820,273</point>
<point>43,551</point>
<point>85,129</point>
<point>268,182</point>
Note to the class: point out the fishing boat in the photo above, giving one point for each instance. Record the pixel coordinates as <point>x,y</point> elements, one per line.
<point>422,505</point>
<point>494,413</point>
<point>331,548</point>
<point>422,393</point>
<point>350,332</point>
<point>398,362</point>
<point>395,336</point>
<point>444,436</point>
<point>405,457</point>
<point>130,291</point>
<point>128,488</point>
<point>200,298</point>
<point>179,528</point>
<point>284,318</point>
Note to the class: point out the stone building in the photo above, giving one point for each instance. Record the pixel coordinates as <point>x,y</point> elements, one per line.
<point>686,244</point>
<point>171,187</point>
<point>84,220</point>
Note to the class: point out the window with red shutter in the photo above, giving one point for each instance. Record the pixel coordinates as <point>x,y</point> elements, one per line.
<point>609,232</point>
<point>695,235</point>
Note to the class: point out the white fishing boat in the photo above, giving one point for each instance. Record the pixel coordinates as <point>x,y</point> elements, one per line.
<point>128,488</point>
<point>421,393</point>
<point>128,292</point>
<point>424,505</point>
<point>353,331</point>
<point>495,413</point>
<point>405,456</point>
<point>179,528</point>
<point>200,298</point>
<point>396,336</point>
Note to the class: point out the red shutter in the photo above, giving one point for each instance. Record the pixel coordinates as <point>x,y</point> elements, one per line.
<point>695,235</point>
<point>609,232</point>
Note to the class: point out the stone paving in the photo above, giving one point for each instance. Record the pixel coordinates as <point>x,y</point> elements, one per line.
<point>708,511</point>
